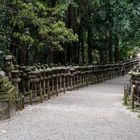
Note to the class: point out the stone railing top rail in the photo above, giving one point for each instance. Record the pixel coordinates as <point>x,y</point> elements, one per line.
<point>38,68</point>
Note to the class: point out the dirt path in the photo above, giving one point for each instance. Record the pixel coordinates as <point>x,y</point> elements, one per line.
<point>92,113</point>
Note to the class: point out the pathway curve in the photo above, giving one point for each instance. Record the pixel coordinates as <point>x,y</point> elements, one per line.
<point>92,113</point>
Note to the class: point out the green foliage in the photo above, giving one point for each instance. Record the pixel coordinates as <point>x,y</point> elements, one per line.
<point>43,29</point>
<point>36,25</point>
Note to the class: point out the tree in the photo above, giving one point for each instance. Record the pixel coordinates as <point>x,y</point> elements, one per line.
<point>93,31</point>
<point>37,27</point>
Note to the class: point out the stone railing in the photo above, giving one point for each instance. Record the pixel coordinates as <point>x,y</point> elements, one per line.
<point>37,83</point>
<point>40,82</point>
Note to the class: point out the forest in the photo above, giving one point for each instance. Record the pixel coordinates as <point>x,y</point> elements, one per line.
<point>69,32</point>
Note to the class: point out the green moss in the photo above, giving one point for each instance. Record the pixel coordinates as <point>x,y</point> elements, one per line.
<point>7,90</point>
<point>129,107</point>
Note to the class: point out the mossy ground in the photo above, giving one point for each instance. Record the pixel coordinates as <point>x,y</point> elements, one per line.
<point>129,107</point>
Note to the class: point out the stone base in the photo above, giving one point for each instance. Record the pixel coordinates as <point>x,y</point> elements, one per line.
<point>6,110</point>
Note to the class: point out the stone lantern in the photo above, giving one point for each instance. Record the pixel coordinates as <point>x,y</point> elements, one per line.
<point>135,84</point>
<point>34,84</point>
<point>8,65</point>
<point>8,97</point>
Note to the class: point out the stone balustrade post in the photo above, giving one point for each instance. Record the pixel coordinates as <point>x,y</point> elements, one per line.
<point>48,87</point>
<point>84,77</point>
<point>42,80</point>
<point>61,80</point>
<point>64,79</point>
<point>53,83</point>
<point>49,82</point>
<point>75,78</point>
<point>15,77</point>
<point>57,75</point>
<point>69,79</point>
<point>80,76</point>
<point>34,81</point>
<point>57,83</point>
<point>23,77</point>
<point>92,75</point>
<point>40,89</point>
<point>45,81</point>
<point>27,77</point>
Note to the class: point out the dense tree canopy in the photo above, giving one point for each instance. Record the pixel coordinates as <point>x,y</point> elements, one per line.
<point>69,31</point>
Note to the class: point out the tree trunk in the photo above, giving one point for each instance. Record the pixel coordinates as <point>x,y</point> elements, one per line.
<point>90,57</point>
<point>52,3</point>
<point>23,57</point>
<point>81,43</point>
<point>110,53</point>
<point>50,56</point>
<point>101,56</point>
<point>78,54</point>
<point>109,19</point>
<point>117,57</point>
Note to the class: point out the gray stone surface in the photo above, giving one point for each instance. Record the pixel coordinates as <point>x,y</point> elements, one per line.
<point>2,73</point>
<point>92,113</point>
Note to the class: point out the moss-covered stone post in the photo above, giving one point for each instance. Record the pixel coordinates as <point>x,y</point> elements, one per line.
<point>16,78</point>
<point>8,65</point>
<point>15,81</point>
<point>61,80</point>
<point>8,97</point>
<point>64,79</point>
<point>49,82</point>
<point>72,77</point>
<point>34,83</point>
<point>57,81</point>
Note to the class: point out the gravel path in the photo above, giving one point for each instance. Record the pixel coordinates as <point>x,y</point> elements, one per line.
<point>92,113</point>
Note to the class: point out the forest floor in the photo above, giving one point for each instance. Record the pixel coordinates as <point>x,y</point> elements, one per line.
<point>95,112</point>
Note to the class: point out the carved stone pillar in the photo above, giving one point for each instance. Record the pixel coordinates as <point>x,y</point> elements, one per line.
<point>15,78</point>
